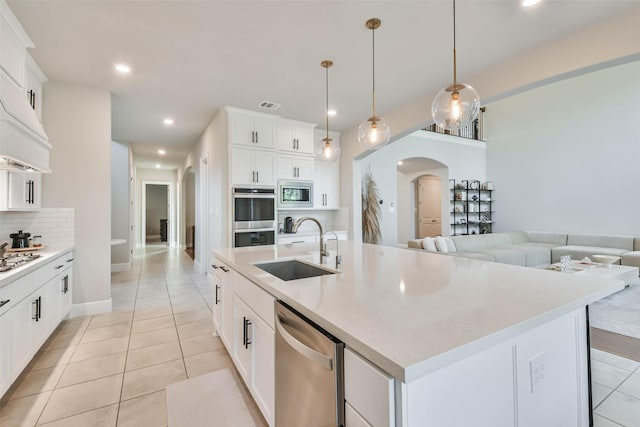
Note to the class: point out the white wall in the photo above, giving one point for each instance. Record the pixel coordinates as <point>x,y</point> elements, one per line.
<point>120,254</point>
<point>464,159</point>
<point>166,176</point>
<point>565,157</point>
<point>77,120</point>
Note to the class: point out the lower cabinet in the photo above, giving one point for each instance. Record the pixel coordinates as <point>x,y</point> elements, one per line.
<point>38,302</point>
<point>222,301</point>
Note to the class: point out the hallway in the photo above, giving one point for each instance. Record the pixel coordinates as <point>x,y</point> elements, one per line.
<point>112,369</point>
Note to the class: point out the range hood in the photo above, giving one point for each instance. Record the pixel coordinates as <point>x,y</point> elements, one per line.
<point>23,142</point>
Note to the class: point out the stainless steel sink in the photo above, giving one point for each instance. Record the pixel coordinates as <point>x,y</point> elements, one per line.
<point>293,269</point>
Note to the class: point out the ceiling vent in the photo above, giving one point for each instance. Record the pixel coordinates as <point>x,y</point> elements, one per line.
<point>267,105</point>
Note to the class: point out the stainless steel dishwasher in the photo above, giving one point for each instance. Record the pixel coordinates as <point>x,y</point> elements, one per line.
<point>309,372</point>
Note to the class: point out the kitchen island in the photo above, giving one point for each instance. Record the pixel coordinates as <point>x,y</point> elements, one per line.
<point>465,342</point>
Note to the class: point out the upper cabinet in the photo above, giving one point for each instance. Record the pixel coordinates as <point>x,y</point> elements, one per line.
<point>252,129</point>
<point>33,81</point>
<point>295,137</point>
<point>20,191</point>
<point>14,42</point>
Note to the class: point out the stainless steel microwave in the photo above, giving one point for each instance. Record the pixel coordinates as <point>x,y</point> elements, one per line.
<point>295,194</point>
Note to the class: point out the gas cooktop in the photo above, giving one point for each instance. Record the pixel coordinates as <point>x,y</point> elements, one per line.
<point>14,260</point>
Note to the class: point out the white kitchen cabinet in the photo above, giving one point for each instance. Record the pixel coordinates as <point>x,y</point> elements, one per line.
<point>252,129</point>
<point>295,168</point>
<point>33,81</point>
<point>252,167</point>
<point>5,339</point>
<point>20,191</point>
<point>22,317</point>
<point>223,302</point>
<point>13,45</point>
<point>295,137</point>
<point>288,239</point>
<point>326,187</point>
<point>65,286</point>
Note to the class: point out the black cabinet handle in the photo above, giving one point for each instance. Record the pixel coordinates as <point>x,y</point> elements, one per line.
<point>215,267</point>
<point>35,316</point>
<point>257,137</point>
<point>217,299</point>
<point>245,336</point>
<point>225,269</point>
<point>65,287</point>
<point>39,308</point>
<point>58,267</point>
<point>257,176</point>
<point>5,302</point>
<point>33,192</point>
<point>28,192</point>
<point>70,259</point>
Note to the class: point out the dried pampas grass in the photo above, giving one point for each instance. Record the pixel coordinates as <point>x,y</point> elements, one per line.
<point>370,211</point>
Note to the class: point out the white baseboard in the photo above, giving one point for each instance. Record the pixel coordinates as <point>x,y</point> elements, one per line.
<point>89,308</point>
<point>125,266</point>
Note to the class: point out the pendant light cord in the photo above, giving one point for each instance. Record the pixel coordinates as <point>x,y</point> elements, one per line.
<point>373,80</point>
<point>327,98</point>
<point>455,77</point>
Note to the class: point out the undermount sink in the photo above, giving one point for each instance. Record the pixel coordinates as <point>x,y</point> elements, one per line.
<point>293,269</point>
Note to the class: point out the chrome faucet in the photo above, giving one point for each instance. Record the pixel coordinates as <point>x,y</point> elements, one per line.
<point>296,224</point>
<point>338,257</point>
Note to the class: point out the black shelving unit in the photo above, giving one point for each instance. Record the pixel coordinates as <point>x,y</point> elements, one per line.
<point>471,207</point>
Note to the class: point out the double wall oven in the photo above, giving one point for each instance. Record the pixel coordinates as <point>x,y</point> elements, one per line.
<point>254,216</point>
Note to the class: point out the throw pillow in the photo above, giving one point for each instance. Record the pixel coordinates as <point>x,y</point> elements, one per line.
<point>429,244</point>
<point>441,245</point>
<point>451,247</point>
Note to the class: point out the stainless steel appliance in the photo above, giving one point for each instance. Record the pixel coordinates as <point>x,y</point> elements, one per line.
<point>309,372</point>
<point>295,194</point>
<point>254,216</point>
<point>14,260</point>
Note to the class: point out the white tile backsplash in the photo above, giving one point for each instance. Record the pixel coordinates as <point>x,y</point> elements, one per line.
<point>330,219</point>
<point>55,225</point>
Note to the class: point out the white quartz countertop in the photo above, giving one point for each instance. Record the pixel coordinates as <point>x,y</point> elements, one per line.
<point>412,312</point>
<point>47,254</point>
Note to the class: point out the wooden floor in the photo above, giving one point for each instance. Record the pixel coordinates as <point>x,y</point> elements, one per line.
<point>611,342</point>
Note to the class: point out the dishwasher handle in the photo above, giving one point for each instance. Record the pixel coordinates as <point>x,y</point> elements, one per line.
<point>306,351</point>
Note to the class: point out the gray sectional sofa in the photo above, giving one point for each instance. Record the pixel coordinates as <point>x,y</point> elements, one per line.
<point>538,248</point>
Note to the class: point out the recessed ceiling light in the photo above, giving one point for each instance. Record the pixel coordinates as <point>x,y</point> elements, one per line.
<point>529,3</point>
<point>157,165</point>
<point>162,152</point>
<point>399,162</point>
<point>168,121</point>
<point>122,68</point>
<point>332,112</point>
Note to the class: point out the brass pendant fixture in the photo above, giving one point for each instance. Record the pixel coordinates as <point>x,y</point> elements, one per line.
<point>458,104</point>
<point>328,151</point>
<point>374,131</point>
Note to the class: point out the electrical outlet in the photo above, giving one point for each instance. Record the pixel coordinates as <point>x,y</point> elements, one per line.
<point>537,371</point>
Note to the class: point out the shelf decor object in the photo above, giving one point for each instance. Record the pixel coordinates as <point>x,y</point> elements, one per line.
<point>328,152</point>
<point>374,131</point>
<point>458,104</point>
<point>471,208</point>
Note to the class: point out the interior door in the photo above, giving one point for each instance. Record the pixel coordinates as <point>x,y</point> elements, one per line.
<point>429,206</point>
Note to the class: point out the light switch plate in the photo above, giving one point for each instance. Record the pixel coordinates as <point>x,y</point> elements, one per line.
<point>537,372</point>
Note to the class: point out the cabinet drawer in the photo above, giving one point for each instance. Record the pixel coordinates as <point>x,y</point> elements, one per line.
<point>368,390</point>
<point>352,418</point>
<point>260,301</point>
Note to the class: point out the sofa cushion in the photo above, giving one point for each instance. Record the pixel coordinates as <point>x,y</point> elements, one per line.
<point>496,239</point>
<point>475,255</point>
<point>631,259</point>
<point>506,255</point>
<point>636,244</point>
<point>579,252</point>
<point>470,243</point>
<point>556,239</point>
<point>535,253</point>
<point>445,244</point>
<point>518,236</point>
<point>618,242</point>
<point>429,244</point>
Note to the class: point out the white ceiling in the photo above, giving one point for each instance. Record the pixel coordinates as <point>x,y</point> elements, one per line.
<point>190,58</point>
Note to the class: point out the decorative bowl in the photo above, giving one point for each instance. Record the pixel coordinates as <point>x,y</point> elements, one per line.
<point>606,259</point>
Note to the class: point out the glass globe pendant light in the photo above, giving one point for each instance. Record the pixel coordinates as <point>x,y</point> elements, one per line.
<point>328,152</point>
<point>458,104</point>
<point>374,131</point>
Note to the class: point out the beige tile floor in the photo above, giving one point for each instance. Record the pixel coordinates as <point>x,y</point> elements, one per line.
<point>112,369</point>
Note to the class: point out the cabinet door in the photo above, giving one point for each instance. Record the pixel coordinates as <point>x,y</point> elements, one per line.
<point>304,139</point>
<point>263,378</point>
<point>305,168</point>
<point>12,60</point>
<point>227,309</point>
<point>286,138</point>
<point>65,285</point>
<point>18,191</point>
<point>5,352</point>
<point>265,168</point>
<point>286,168</point>
<point>331,179</point>
<point>242,330</point>
<point>48,314</point>
<point>242,170</point>
<point>217,302</point>
<point>22,318</point>
<point>264,129</point>
<point>36,190</point>
<point>242,131</point>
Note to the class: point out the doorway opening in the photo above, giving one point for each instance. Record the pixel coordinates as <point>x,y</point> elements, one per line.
<point>428,206</point>
<point>157,225</point>
<point>189,191</point>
